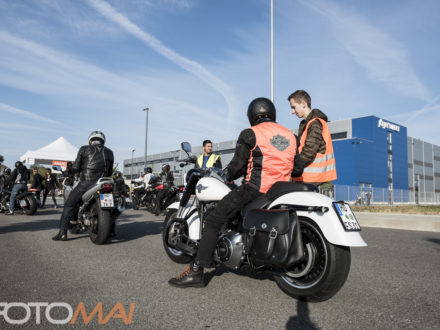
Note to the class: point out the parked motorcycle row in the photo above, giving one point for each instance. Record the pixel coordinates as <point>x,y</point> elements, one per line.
<point>147,197</point>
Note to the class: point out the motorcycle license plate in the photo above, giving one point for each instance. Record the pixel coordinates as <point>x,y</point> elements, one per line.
<point>107,200</point>
<point>346,216</point>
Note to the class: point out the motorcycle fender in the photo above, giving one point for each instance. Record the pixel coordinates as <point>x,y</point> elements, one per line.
<point>23,194</point>
<point>193,220</point>
<point>328,222</point>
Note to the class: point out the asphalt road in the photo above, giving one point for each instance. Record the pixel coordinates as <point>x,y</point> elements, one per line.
<point>393,283</point>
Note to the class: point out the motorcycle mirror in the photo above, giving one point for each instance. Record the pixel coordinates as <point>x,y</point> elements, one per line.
<point>186,146</point>
<point>182,165</point>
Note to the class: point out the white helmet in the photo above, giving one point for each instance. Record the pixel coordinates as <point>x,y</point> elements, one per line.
<point>97,135</point>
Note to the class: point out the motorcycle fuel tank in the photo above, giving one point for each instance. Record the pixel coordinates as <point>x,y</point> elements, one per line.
<point>211,189</point>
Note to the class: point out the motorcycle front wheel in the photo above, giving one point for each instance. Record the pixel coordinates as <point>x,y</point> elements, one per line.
<point>101,226</point>
<point>323,271</point>
<point>167,235</point>
<point>134,202</point>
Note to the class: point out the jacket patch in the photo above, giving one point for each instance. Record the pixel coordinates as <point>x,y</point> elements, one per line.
<point>280,142</point>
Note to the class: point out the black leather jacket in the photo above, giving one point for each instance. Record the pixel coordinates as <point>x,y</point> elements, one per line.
<point>93,162</point>
<point>167,179</point>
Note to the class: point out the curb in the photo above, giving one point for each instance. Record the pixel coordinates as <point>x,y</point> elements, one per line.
<point>417,222</point>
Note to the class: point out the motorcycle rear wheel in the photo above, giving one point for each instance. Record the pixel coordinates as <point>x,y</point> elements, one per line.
<point>323,271</point>
<point>101,232</point>
<point>134,203</point>
<point>31,205</point>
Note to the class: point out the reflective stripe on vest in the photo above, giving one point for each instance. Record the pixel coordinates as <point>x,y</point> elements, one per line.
<point>323,167</point>
<point>271,160</point>
<point>211,160</point>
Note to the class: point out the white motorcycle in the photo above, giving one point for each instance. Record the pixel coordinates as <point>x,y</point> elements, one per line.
<point>301,237</point>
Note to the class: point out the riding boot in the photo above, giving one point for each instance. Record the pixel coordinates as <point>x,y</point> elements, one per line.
<point>193,276</point>
<point>61,236</point>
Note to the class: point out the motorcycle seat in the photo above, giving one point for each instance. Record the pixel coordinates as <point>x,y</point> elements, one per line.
<point>258,203</point>
<point>282,188</point>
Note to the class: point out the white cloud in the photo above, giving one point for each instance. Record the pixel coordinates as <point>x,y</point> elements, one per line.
<point>27,114</point>
<point>189,65</point>
<point>384,58</point>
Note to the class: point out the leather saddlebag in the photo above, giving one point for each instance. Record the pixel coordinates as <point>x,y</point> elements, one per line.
<point>274,237</point>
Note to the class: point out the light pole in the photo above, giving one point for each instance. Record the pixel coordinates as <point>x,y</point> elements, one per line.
<point>146,137</point>
<point>271,50</point>
<point>131,172</point>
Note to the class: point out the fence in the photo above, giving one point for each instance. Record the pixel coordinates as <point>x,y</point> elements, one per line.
<point>381,195</point>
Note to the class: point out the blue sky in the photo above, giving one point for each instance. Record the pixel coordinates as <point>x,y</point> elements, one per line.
<point>69,67</point>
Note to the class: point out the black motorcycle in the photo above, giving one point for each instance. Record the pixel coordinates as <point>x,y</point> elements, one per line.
<point>25,201</point>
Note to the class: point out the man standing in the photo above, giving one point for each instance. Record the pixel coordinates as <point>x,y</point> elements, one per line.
<point>50,185</point>
<point>265,154</point>
<point>208,159</point>
<point>37,183</point>
<point>315,162</point>
<point>20,177</point>
<point>93,161</point>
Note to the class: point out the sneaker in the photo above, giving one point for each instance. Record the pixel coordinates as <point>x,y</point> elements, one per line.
<point>9,212</point>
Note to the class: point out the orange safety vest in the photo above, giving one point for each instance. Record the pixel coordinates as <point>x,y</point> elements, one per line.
<point>271,159</point>
<point>323,167</point>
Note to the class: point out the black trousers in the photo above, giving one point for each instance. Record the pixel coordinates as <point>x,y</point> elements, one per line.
<point>161,195</point>
<point>73,202</point>
<point>225,211</point>
<point>46,192</point>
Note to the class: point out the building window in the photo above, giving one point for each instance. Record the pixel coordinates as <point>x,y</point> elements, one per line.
<point>340,135</point>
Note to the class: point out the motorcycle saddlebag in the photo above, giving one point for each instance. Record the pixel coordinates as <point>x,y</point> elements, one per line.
<point>274,237</point>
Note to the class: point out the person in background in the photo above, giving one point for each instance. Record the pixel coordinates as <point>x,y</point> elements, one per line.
<point>208,159</point>
<point>167,179</point>
<point>20,177</point>
<point>51,183</point>
<point>315,162</point>
<point>37,183</point>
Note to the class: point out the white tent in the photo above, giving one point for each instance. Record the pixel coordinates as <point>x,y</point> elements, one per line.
<point>59,150</point>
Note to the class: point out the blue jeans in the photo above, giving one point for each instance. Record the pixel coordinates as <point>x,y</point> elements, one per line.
<point>15,189</point>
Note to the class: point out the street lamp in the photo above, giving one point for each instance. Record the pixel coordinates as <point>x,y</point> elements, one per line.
<point>131,172</point>
<point>271,50</point>
<point>146,137</point>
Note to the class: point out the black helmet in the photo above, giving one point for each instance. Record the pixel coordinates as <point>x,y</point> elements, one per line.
<point>18,163</point>
<point>97,135</point>
<point>165,166</point>
<point>261,108</point>
<point>7,171</point>
<point>148,170</point>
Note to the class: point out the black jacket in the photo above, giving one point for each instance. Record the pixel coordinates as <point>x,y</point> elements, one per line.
<point>20,174</point>
<point>37,182</point>
<point>245,143</point>
<point>51,182</point>
<point>94,162</point>
<point>167,179</point>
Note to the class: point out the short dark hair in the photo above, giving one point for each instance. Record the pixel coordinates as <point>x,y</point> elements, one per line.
<point>301,95</point>
<point>206,142</point>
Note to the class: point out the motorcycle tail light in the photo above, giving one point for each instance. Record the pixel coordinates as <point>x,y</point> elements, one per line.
<point>107,187</point>
<point>182,188</point>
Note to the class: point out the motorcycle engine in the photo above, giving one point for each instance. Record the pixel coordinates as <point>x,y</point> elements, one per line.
<point>230,249</point>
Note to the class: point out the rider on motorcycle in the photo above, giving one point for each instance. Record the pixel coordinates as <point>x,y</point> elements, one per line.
<point>265,154</point>
<point>167,179</point>
<point>92,162</point>
<point>5,183</point>
<point>20,177</point>
<point>145,179</point>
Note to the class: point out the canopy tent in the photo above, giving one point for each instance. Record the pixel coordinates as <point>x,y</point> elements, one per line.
<point>59,152</point>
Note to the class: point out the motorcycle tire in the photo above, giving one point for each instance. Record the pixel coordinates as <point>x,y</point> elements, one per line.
<point>175,255</point>
<point>31,205</point>
<point>134,203</point>
<point>323,271</point>
<point>104,218</point>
